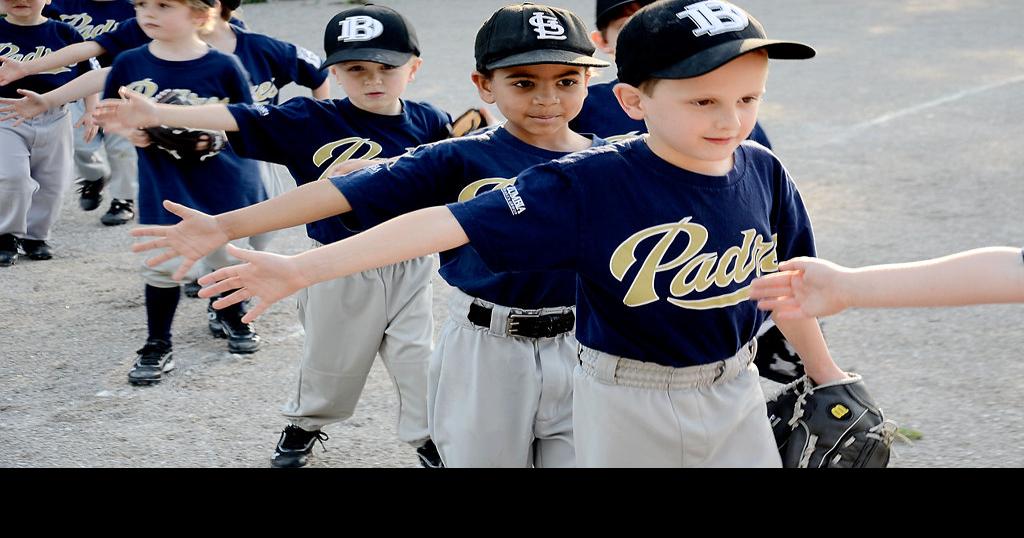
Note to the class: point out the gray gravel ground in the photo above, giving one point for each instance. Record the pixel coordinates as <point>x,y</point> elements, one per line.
<point>903,135</point>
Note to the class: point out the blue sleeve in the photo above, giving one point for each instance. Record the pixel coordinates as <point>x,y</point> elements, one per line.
<point>424,177</point>
<point>127,36</point>
<point>532,225</point>
<point>305,67</point>
<point>791,221</point>
<point>268,133</point>
<point>238,22</point>
<point>115,79</point>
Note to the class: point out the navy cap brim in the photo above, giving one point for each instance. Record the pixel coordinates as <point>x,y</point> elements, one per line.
<point>710,59</point>
<point>547,56</point>
<point>387,57</point>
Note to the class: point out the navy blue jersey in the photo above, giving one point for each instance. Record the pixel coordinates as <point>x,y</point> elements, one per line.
<point>30,42</point>
<point>603,116</point>
<point>309,137</point>
<point>272,64</point>
<point>664,256</point>
<point>92,18</point>
<point>451,171</point>
<point>224,182</point>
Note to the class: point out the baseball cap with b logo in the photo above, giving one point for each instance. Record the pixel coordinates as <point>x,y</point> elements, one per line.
<point>529,34</point>
<point>370,33</point>
<point>681,39</point>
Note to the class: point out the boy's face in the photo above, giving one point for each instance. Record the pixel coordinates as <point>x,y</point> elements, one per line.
<point>23,9</point>
<point>697,123</point>
<point>537,100</point>
<point>375,87</point>
<point>168,19</point>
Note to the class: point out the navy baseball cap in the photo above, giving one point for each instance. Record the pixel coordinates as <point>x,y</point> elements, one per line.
<point>607,10</point>
<point>682,39</point>
<point>528,34</point>
<point>370,33</point>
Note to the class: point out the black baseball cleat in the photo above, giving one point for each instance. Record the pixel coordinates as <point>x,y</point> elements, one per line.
<point>296,446</point>
<point>154,359</point>
<point>192,288</point>
<point>8,250</point>
<point>429,458</point>
<point>36,249</point>
<point>227,323</point>
<point>90,193</point>
<point>120,212</point>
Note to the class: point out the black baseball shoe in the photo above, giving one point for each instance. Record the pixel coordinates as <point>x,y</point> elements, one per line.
<point>120,212</point>
<point>8,250</point>
<point>227,323</point>
<point>36,249</point>
<point>154,359</point>
<point>428,455</point>
<point>192,288</point>
<point>90,193</point>
<point>296,446</point>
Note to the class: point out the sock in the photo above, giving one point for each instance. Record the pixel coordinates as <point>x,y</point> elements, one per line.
<point>160,306</point>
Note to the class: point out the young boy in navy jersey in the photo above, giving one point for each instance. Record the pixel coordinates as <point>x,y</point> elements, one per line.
<point>35,156</point>
<point>177,60</point>
<point>373,53</point>
<point>104,160</point>
<point>664,232</point>
<point>603,116</point>
<point>500,391</point>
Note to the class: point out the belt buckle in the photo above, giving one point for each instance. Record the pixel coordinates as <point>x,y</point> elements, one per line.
<point>513,321</point>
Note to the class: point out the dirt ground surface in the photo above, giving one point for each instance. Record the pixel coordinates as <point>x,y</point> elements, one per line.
<point>903,136</point>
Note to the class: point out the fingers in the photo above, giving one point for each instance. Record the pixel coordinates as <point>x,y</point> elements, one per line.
<point>149,245</point>
<point>242,254</point>
<point>796,264</point>
<point>234,298</point>
<point>226,285</point>
<point>161,258</point>
<point>256,311</point>
<point>779,303</point>
<point>183,269</point>
<point>90,133</point>
<point>149,231</point>
<point>217,276</point>
<point>180,210</point>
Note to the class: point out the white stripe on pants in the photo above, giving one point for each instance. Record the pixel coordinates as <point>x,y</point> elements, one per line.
<point>348,321</point>
<point>500,401</point>
<point>630,413</point>
<point>35,170</point>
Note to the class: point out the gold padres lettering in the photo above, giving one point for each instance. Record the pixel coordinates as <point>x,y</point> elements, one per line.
<point>264,92</point>
<point>83,23</point>
<point>618,138</point>
<point>149,88</point>
<point>351,146</point>
<point>481,186</point>
<point>12,51</point>
<point>697,271</point>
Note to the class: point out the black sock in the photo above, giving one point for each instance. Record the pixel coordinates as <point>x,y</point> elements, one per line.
<point>160,306</point>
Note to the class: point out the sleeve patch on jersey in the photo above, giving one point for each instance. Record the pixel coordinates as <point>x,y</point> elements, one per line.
<point>514,201</point>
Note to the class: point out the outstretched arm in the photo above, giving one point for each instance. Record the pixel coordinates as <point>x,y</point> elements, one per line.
<point>34,104</point>
<point>808,287</point>
<point>136,111</point>
<point>272,277</point>
<point>12,70</point>
<point>199,234</point>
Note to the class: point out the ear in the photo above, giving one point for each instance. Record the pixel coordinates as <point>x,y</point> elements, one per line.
<point>415,64</point>
<point>335,73</point>
<point>483,87</point>
<point>630,99</point>
<point>600,42</point>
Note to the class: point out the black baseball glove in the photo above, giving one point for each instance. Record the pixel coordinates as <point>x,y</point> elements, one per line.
<point>469,122</point>
<point>182,143</point>
<point>832,425</point>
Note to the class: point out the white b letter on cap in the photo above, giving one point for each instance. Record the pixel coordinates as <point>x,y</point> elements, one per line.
<point>360,28</point>
<point>713,17</point>
<point>547,26</point>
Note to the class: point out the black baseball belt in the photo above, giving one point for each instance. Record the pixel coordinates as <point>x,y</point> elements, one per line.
<point>526,325</point>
